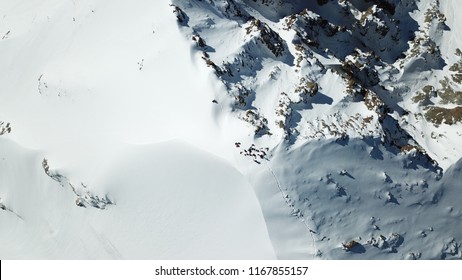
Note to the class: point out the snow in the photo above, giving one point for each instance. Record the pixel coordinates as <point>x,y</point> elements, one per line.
<point>310,209</point>
<point>329,201</point>
<point>168,204</point>
<point>81,100</point>
<point>123,138</point>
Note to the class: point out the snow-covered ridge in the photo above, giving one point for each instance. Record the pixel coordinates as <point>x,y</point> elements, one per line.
<point>310,76</point>
<point>288,55</point>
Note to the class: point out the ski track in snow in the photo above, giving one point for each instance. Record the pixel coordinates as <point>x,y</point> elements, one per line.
<point>107,244</point>
<point>285,197</point>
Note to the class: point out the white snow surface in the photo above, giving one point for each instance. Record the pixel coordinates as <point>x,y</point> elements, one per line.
<point>170,200</point>
<point>100,120</point>
<point>111,146</point>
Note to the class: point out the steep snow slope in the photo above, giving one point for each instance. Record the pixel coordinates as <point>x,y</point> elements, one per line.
<point>84,85</point>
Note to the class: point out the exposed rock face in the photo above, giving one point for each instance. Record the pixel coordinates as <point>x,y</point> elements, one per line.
<point>364,48</point>
<point>267,36</point>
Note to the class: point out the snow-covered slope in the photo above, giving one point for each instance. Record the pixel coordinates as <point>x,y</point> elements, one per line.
<point>164,203</point>
<point>230,129</point>
<point>344,148</point>
<point>87,86</point>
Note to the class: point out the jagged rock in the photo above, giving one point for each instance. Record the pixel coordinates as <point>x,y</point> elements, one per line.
<point>180,15</point>
<point>307,87</point>
<point>267,36</point>
<point>259,122</point>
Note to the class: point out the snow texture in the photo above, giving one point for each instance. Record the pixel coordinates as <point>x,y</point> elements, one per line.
<point>235,129</point>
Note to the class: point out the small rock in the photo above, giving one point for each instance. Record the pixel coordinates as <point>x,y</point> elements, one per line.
<point>350,245</point>
<point>79,202</point>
